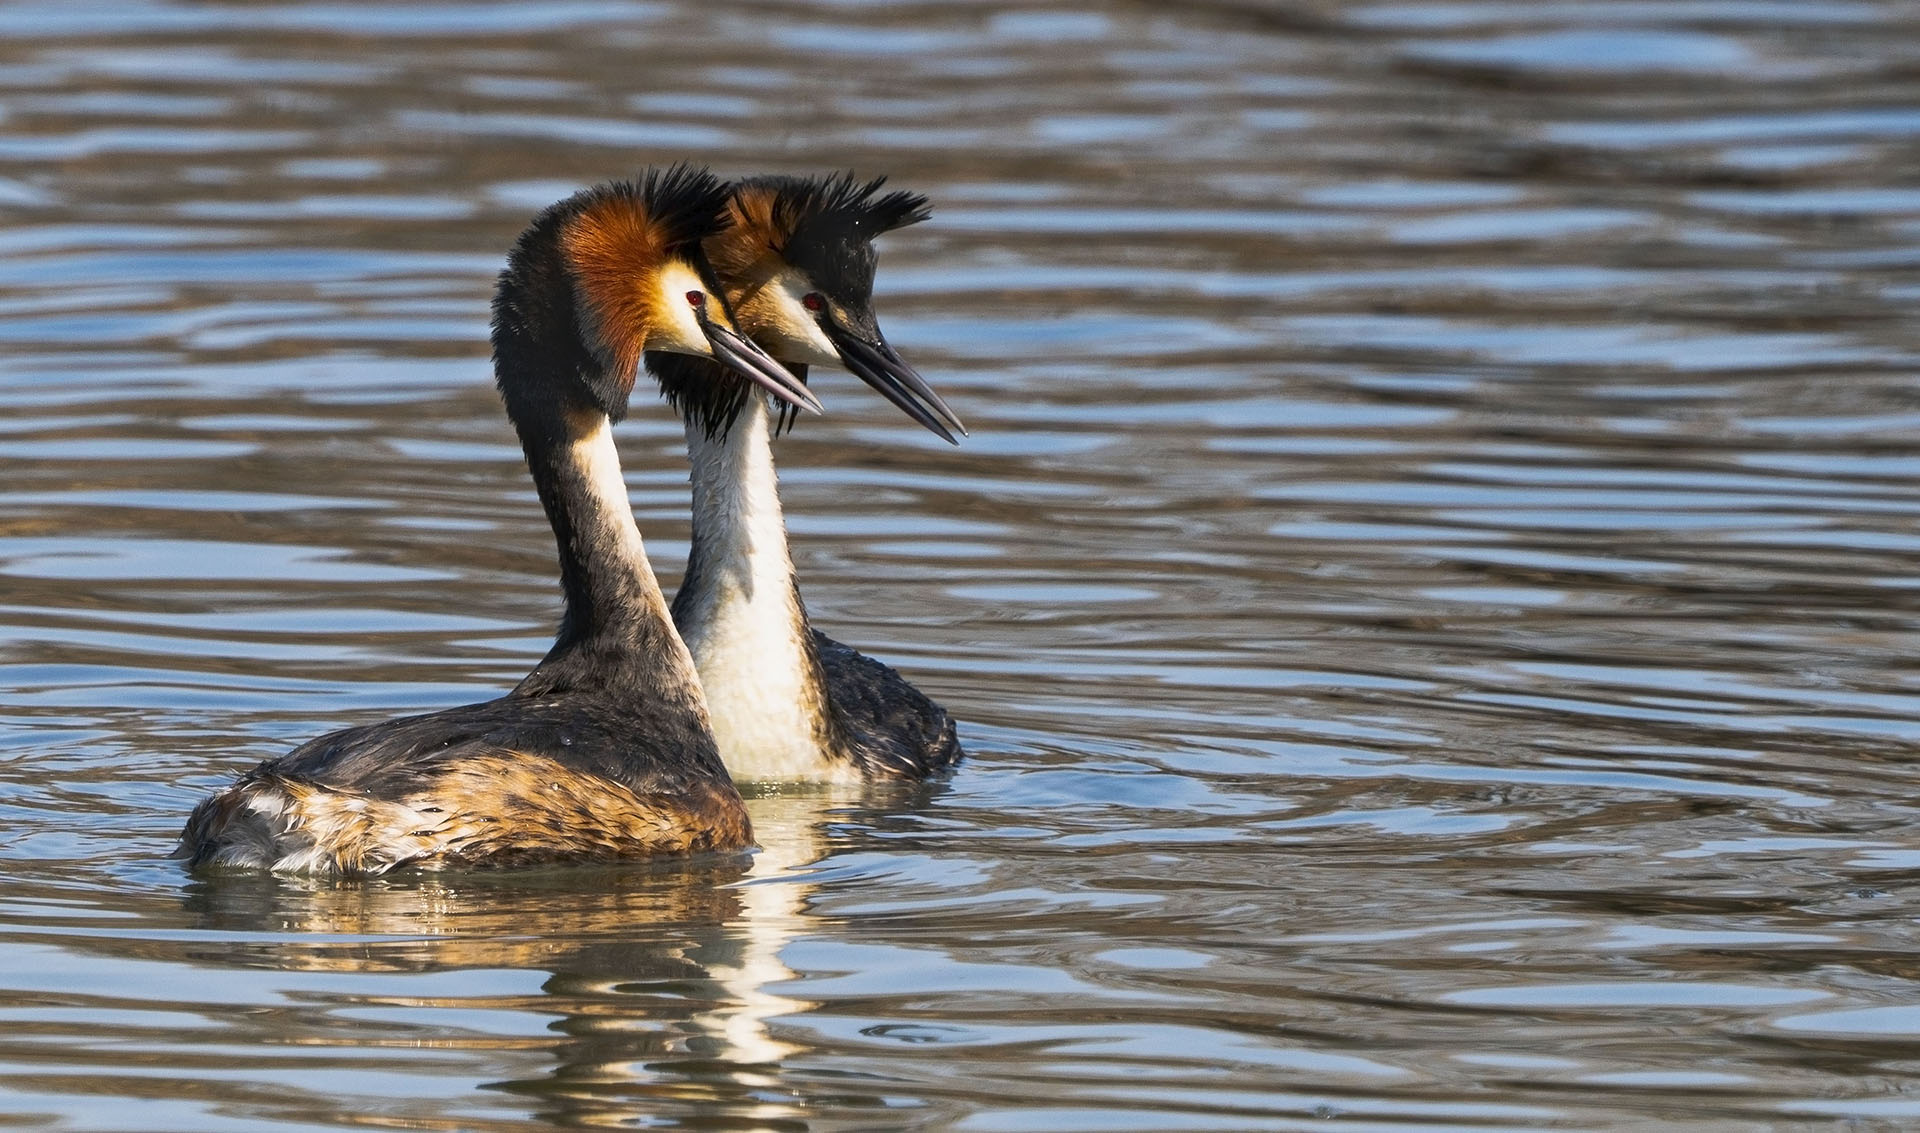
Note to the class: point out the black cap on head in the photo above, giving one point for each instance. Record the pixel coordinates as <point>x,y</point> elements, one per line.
<point>834,220</point>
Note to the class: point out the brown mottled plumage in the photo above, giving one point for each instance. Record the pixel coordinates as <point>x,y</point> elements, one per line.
<point>507,809</point>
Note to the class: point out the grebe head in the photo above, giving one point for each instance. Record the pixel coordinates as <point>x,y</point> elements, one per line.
<point>797,262</point>
<point>610,273</point>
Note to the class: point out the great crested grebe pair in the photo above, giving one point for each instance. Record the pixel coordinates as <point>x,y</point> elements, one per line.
<point>625,740</point>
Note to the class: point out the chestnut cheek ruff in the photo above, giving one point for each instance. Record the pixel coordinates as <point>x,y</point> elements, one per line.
<point>614,251</point>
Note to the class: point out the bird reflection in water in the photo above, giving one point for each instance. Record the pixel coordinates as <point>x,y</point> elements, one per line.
<point>667,977</point>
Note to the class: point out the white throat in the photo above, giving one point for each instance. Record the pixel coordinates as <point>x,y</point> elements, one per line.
<point>595,454</point>
<point>608,520</point>
<point>740,615</point>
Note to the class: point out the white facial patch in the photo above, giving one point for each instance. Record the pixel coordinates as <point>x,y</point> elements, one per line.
<point>678,330</point>
<point>795,334</point>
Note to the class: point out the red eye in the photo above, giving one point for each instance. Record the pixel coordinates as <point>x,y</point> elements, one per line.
<point>696,299</point>
<point>813,302</point>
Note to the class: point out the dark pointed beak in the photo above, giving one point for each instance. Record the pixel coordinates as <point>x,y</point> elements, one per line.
<point>878,365</point>
<point>740,354</point>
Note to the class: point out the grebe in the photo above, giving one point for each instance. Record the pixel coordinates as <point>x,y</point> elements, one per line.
<point>604,751</point>
<point>787,701</point>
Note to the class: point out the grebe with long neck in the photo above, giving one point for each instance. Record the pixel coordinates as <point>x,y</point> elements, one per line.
<point>604,751</point>
<point>787,701</point>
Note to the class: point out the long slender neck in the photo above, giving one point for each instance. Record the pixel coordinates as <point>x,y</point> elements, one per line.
<point>739,533</point>
<point>741,615</point>
<point>617,630</point>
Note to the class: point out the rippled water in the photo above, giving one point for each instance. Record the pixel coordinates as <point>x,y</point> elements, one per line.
<point>1430,594</point>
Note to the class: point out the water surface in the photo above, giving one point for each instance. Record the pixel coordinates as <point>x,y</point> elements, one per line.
<point>1430,593</point>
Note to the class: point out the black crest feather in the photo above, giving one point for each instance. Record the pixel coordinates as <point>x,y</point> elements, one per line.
<point>687,201</point>
<point>842,204</point>
<point>833,221</point>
